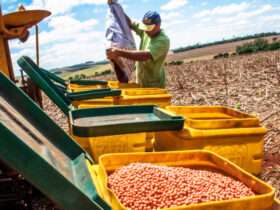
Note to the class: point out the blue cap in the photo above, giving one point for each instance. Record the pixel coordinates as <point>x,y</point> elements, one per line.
<point>150,19</point>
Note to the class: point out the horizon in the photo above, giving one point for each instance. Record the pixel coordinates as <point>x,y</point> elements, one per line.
<point>172,50</point>
<point>74,33</point>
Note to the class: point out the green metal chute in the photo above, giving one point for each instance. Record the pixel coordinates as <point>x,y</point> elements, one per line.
<point>59,94</point>
<point>32,144</point>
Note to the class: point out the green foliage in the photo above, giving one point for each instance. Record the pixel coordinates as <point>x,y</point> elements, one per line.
<point>108,71</point>
<point>197,46</point>
<point>105,72</point>
<point>88,73</point>
<point>77,77</point>
<point>176,63</point>
<point>82,76</point>
<point>257,46</point>
<point>274,46</point>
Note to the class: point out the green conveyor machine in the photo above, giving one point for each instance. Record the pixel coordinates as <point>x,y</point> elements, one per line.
<point>33,145</point>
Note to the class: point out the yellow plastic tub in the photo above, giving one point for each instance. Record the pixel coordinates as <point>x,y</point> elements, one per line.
<point>118,85</point>
<point>97,146</point>
<point>93,169</point>
<point>202,159</point>
<point>243,146</point>
<point>102,191</point>
<point>136,96</point>
<point>80,88</point>
<point>214,117</point>
<point>111,84</point>
<point>133,96</point>
<point>101,102</point>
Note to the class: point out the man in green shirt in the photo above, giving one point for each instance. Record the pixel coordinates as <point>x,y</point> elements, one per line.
<point>153,50</point>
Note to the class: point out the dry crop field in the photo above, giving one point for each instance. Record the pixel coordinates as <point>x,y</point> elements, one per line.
<point>207,53</point>
<point>249,83</point>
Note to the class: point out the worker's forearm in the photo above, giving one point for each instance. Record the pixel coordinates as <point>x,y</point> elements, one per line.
<point>134,54</point>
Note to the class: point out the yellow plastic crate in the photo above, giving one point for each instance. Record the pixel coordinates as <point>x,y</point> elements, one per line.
<point>144,91</point>
<point>111,84</point>
<point>118,85</point>
<point>80,88</point>
<point>133,96</point>
<point>214,117</point>
<point>93,169</point>
<point>97,146</point>
<point>143,96</point>
<point>262,201</point>
<point>102,191</point>
<point>101,102</point>
<point>243,146</point>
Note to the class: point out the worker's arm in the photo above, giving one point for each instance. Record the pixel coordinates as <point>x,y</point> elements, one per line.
<point>135,27</point>
<point>136,55</point>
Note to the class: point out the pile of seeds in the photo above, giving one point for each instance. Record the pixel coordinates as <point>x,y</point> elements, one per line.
<point>144,186</point>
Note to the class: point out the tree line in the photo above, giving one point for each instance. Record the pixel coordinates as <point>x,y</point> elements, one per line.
<point>197,46</point>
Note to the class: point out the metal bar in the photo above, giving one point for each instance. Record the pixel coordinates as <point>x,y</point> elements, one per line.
<point>36,90</point>
<point>37,46</point>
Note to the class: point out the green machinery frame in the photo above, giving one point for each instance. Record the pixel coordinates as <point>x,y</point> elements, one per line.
<point>155,119</point>
<point>58,93</point>
<point>32,144</point>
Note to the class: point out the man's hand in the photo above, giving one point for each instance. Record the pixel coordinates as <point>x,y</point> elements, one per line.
<point>136,55</point>
<point>112,54</point>
<point>109,1</point>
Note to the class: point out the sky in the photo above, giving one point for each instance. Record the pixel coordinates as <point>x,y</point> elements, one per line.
<point>74,33</point>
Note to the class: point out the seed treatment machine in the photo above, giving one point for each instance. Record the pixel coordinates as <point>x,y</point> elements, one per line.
<point>16,25</point>
<point>79,170</point>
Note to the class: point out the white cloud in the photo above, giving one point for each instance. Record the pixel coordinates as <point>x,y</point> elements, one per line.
<point>69,41</point>
<point>264,9</point>
<point>170,16</point>
<point>61,6</point>
<point>254,19</point>
<point>204,3</point>
<point>224,10</point>
<point>246,15</point>
<point>272,18</point>
<point>174,4</point>
<point>62,28</point>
